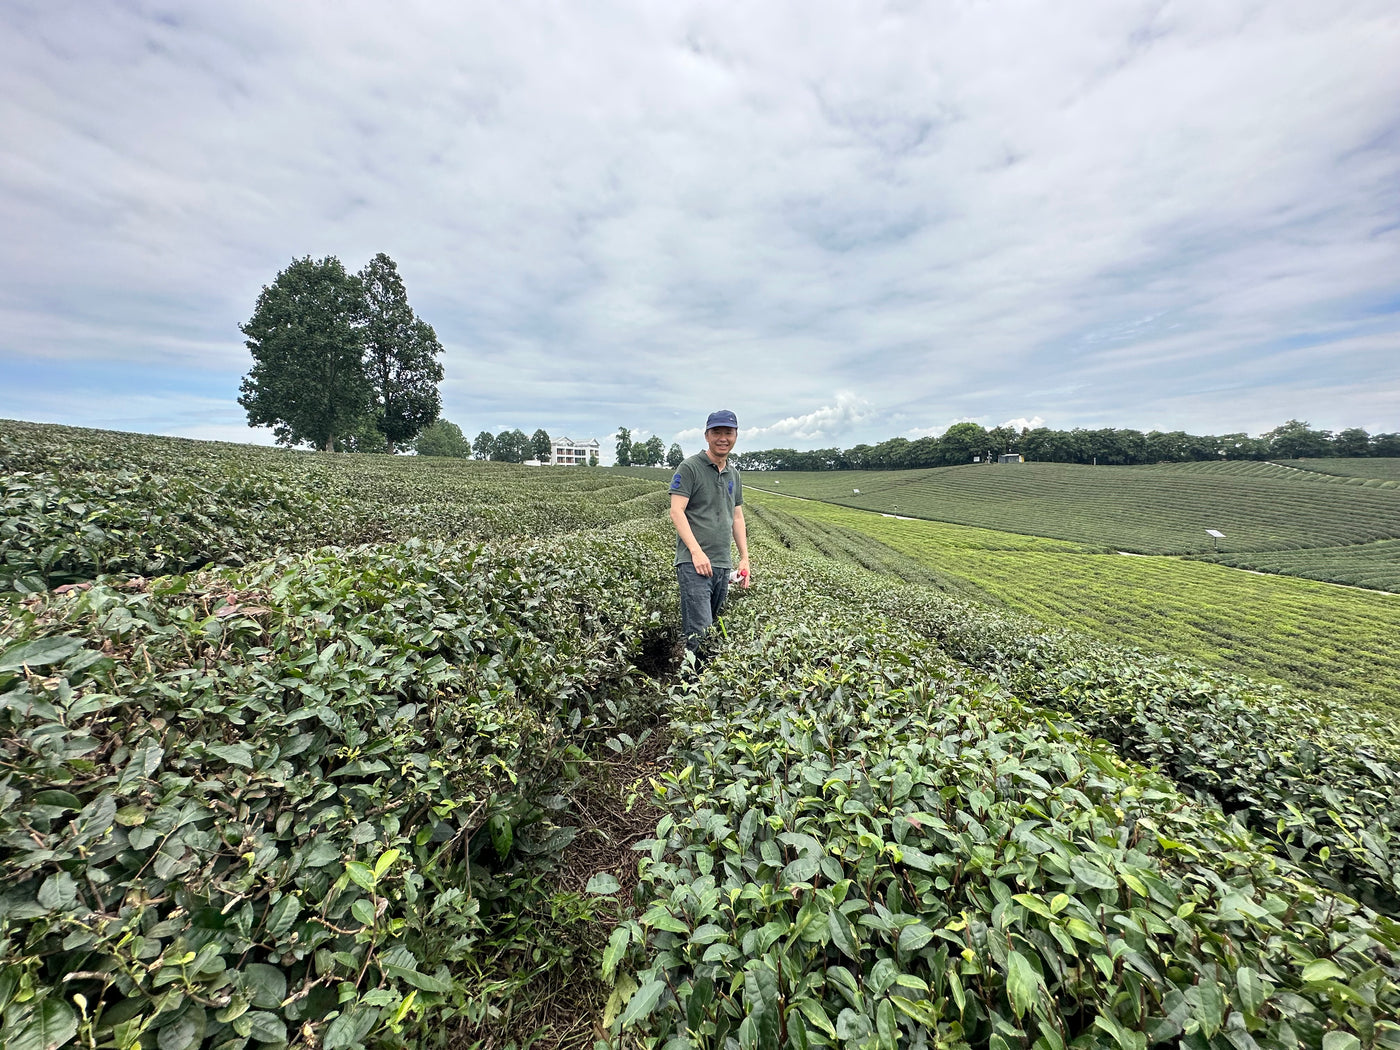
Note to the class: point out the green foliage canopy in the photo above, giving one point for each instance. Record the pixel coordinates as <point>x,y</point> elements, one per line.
<point>307,381</point>
<point>541,447</point>
<point>400,356</point>
<point>1104,446</point>
<point>961,442</point>
<point>443,438</point>
<point>511,446</point>
<point>340,357</point>
<point>652,452</point>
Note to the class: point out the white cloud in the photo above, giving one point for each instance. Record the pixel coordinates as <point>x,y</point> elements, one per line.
<point>613,211</point>
<point>1015,424</point>
<point>1021,423</point>
<point>823,424</point>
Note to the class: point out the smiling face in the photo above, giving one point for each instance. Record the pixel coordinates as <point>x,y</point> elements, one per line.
<point>720,440</point>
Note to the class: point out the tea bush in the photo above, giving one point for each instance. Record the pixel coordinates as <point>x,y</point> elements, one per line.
<point>244,807</point>
<point>319,798</point>
<point>77,503</point>
<point>1321,778</point>
<point>869,847</point>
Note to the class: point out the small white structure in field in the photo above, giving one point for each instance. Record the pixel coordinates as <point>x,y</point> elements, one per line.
<point>856,491</point>
<point>1215,538</point>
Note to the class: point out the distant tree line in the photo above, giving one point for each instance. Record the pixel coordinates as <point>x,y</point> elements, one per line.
<point>445,439</point>
<point>512,446</point>
<point>963,442</point>
<point>649,453</point>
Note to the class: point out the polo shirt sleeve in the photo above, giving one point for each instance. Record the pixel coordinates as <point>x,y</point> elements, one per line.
<point>683,481</point>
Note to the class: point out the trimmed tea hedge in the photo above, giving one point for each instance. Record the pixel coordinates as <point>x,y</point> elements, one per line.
<point>243,808</point>
<point>867,847</point>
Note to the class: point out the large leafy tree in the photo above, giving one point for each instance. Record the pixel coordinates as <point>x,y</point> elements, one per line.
<point>364,437</point>
<point>1385,445</point>
<point>308,380</point>
<point>541,447</point>
<point>961,442</point>
<point>675,457</point>
<point>653,451</point>
<point>442,439</point>
<point>484,447</point>
<point>512,446</point>
<point>400,355</point>
<point>1296,439</point>
<point>1002,439</point>
<point>1352,441</point>
<point>624,447</point>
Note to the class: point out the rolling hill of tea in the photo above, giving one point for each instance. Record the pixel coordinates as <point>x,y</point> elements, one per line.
<point>1317,636</point>
<point>349,752</point>
<point>1144,510</point>
<point>1374,565</point>
<point>1378,473</point>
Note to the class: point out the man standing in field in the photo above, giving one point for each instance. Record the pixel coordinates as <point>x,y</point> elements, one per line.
<point>707,508</point>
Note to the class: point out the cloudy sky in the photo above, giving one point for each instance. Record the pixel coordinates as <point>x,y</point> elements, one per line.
<point>844,221</point>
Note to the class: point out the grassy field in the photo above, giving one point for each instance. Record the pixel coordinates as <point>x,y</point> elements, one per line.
<point>1145,510</point>
<point>1313,635</point>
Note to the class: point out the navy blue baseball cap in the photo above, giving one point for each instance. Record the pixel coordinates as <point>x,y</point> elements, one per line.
<point>722,418</point>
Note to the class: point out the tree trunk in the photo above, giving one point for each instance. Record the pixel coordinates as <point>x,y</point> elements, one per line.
<point>390,443</point>
<point>330,443</point>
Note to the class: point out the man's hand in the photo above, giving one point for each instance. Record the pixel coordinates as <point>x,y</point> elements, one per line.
<point>745,576</point>
<point>702,564</point>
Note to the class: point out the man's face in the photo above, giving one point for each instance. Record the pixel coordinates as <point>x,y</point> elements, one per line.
<point>720,440</point>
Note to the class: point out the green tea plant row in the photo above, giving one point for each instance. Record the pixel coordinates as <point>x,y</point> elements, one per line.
<point>1259,752</point>
<point>1385,470</point>
<point>1147,510</point>
<point>260,806</point>
<point>1315,636</point>
<point>311,798</point>
<point>867,846</point>
<point>1320,779</point>
<point>1372,565</point>
<point>1379,474</point>
<point>801,518</point>
<point>74,503</point>
<point>832,541</point>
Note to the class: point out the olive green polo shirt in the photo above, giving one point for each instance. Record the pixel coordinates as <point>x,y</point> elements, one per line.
<point>713,495</point>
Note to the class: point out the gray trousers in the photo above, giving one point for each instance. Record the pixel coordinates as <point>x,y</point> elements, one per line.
<point>702,598</point>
